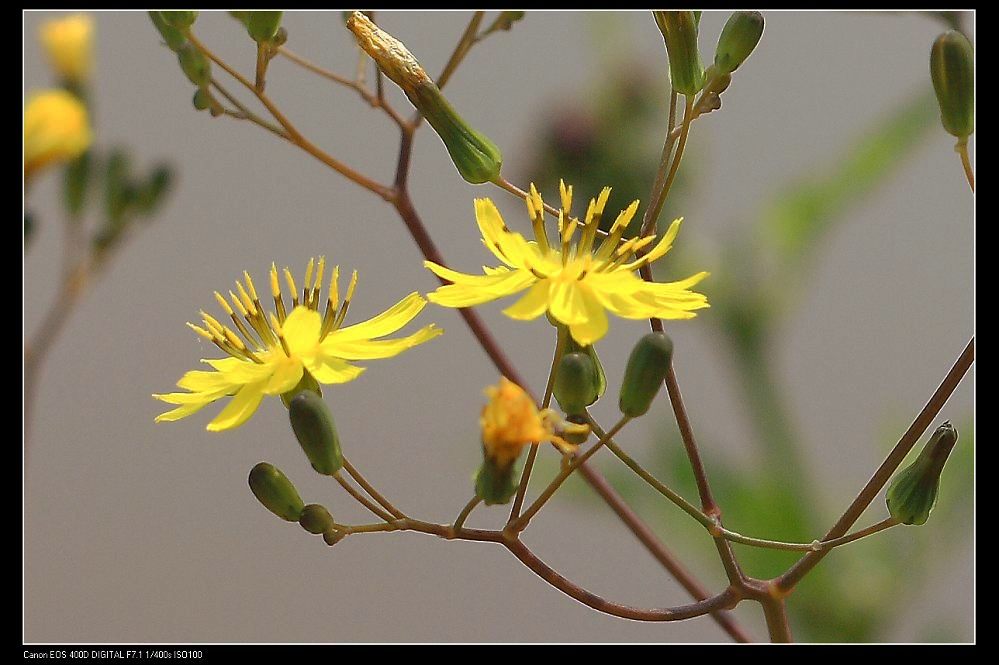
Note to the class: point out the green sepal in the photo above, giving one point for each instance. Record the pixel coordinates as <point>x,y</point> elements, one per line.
<point>263,26</point>
<point>572,346</point>
<point>952,68</point>
<point>679,30</point>
<point>647,367</point>
<point>913,492</point>
<point>195,65</point>
<point>576,382</point>
<point>313,425</point>
<point>738,38</point>
<point>173,37</point>
<point>275,492</point>
<point>477,159</point>
<point>494,484</point>
<point>180,20</point>
<point>316,519</point>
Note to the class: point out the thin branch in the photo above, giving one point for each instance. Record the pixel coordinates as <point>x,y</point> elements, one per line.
<point>361,499</point>
<point>372,492</point>
<point>962,150</point>
<point>789,579</point>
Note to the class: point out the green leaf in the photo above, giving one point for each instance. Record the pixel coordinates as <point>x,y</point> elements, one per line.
<point>802,213</point>
<point>76,182</point>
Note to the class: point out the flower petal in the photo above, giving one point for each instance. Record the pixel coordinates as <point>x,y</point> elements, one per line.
<point>301,329</point>
<point>182,411</point>
<point>532,304</point>
<point>329,369</point>
<point>566,302</point>
<point>240,408</point>
<point>362,349</point>
<point>387,322</point>
<point>464,295</point>
<point>594,326</point>
<point>286,376</point>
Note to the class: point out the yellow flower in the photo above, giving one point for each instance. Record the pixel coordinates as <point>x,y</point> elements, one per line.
<point>574,282</point>
<point>271,352</point>
<point>511,421</point>
<point>56,129</point>
<point>68,43</point>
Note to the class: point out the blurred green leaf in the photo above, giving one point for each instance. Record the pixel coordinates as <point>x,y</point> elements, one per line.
<point>802,213</point>
<point>76,183</point>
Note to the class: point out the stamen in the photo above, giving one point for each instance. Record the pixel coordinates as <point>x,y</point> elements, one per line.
<point>318,284</point>
<point>280,334</point>
<point>249,285</point>
<point>291,287</point>
<point>331,303</point>
<point>308,280</point>
<point>223,304</point>
<point>276,292</point>
<point>537,215</point>
<point>566,194</point>
<point>201,331</point>
<point>247,301</point>
<point>346,300</point>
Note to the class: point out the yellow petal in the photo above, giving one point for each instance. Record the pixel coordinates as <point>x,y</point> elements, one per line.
<point>180,412</point>
<point>462,295</point>
<point>301,329</point>
<point>328,369</point>
<point>367,350</point>
<point>239,409</point>
<point>566,303</point>
<point>395,317</point>
<point>594,326</point>
<point>286,376</point>
<point>532,304</point>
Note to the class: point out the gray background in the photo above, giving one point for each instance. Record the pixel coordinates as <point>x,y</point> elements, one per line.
<point>143,532</point>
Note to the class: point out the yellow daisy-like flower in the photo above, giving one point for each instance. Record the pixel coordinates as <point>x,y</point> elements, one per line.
<point>56,129</point>
<point>68,43</point>
<point>271,352</point>
<point>510,421</point>
<point>575,282</point>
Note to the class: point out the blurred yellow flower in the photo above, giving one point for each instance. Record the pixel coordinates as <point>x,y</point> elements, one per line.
<point>271,352</point>
<point>68,42</point>
<point>575,283</point>
<point>56,129</point>
<point>510,421</point>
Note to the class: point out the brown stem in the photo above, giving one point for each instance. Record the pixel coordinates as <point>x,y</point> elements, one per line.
<point>461,50</point>
<point>884,472</point>
<point>372,492</point>
<point>775,611</point>
<point>361,499</point>
<point>727,599</point>
<point>969,173</point>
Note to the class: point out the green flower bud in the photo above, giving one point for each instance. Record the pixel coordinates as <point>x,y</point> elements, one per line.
<point>573,347</point>
<point>576,382</point>
<point>316,519</point>
<point>952,67</point>
<point>332,537</point>
<point>313,425</point>
<point>173,37</point>
<point>679,31</point>
<point>76,183</point>
<point>738,38</point>
<point>262,26</point>
<point>647,367</point>
<point>180,20</point>
<point>494,483</point>
<point>913,492</point>
<point>195,65</point>
<point>273,489</point>
<point>477,159</point>
<point>151,193</point>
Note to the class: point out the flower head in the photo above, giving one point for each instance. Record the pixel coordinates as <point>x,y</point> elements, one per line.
<point>511,421</point>
<point>576,282</point>
<point>68,43</point>
<point>271,352</point>
<point>56,129</point>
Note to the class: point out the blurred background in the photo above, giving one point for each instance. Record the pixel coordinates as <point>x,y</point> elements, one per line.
<point>824,197</point>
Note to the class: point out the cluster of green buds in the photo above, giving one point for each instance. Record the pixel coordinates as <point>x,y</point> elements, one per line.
<point>952,68</point>
<point>127,197</point>
<point>738,39</point>
<point>913,492</point>
<point>578,382</point>
<point>174,27</point>
<point>314,428</point>
<point>477,159</point>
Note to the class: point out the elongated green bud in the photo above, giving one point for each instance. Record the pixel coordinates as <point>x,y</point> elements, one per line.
<point>679,29</point>
<point>195,65</point>
<point>572,346</point>
<point>313,425</point>
<point>173,37</point>
<point>273,489</point>
<point>647,367</point>
<point>316,519</point>
<point>262,26</point>
<point>952,67</point>
<point>738,38</point>
<point>913,492</point>
<point>494,483</point>
<point>180,20</point>
<point>477,159</point>
<point>576,382</point>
